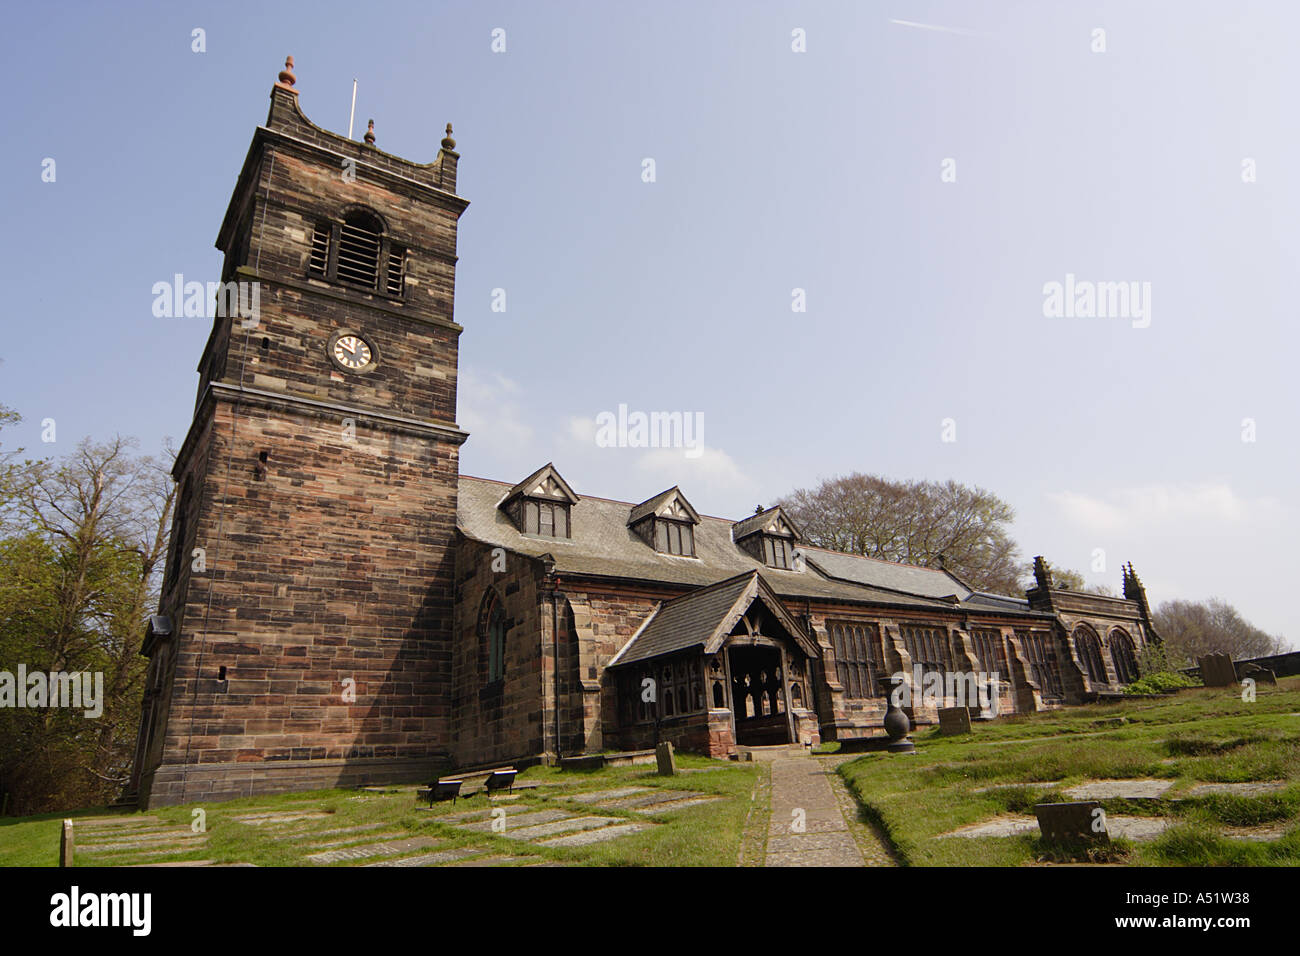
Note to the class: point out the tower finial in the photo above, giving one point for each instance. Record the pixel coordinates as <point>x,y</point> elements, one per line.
<point>370,134</point>
<point>447,141</point>
<point>286,75</point>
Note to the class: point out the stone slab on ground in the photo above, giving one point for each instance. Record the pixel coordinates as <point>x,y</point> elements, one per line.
<point>264,819</point>
<point>559,826</point>
<point>493,860</point>
<point>671,805</point>
<point>1252,788</point>
<point>130,833</point>
<point>649,799</point>
<point>433,859</point>
<point>151,843</point>
<point>1142,788</point>
<point>519,820</point>
<point>485,813</point>
<point>597,796</point>
<point>1036,785</point>
<point>587,837</point>
<point>1272,831</point>
<point>1001,826</point>
<point>1132,828</point>
<point>357,838</point>
<point>390,848</point>
<point>96,822</point>
<point>315,834</point>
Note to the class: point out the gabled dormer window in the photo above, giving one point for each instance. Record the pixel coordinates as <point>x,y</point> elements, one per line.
<point>770,537</point>
<point>356,251</point>
<point>542,504</point>
<point>667,523</point>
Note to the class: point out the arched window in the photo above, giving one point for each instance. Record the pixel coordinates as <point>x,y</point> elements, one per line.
<point>1123,656</point>
<point>1040,650</point>
<point>356,252</point>
<point>359,240</point>
<point>1087,649</point>
<point>493,633</point>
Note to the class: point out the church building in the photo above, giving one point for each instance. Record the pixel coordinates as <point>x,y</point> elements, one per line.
<point>341,606</point>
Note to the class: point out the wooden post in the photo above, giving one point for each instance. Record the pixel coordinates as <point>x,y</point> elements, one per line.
<point>67,844</point>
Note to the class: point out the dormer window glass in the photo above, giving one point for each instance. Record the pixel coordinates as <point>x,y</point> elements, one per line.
<point>549,519</point>
<point>674,537</point>
<point>778,552</point>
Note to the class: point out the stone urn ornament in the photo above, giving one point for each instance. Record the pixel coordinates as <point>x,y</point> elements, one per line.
<point>897,725</point>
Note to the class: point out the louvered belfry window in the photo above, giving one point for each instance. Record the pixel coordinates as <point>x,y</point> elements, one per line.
<point>319,262</point>
<point>359,241</point>
<point>394,279</point>
<point>357,252</point>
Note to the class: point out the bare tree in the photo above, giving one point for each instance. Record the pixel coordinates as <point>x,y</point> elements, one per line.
<point>1191,629</point>
<point>914,522</point>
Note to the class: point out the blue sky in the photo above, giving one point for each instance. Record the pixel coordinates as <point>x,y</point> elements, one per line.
<point>775,170</point>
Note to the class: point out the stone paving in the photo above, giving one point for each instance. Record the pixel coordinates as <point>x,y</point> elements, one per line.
<point>1135,789</point>
<point>801,794</point>
<point>1252,789</point>
<point>557,826</point>
<point>365,851</point>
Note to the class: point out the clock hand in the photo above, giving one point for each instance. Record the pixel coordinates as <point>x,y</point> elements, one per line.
<point>350,348</point>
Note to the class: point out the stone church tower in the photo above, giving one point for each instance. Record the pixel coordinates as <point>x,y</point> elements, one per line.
<point>304,633</point>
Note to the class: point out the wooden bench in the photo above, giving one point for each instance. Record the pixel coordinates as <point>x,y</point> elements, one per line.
<point>500,780</point>
<point>440,790</point>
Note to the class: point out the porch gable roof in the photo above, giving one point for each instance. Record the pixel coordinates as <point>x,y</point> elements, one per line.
<point>705,618</point>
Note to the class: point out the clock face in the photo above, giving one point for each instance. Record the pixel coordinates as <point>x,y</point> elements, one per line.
<point>351,351</point>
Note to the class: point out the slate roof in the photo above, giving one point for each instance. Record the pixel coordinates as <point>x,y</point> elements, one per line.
<point>652,505</point>
<point>757,521</point>
<point>602,544</point>
<point>704,618</point>
<point>909,578</point>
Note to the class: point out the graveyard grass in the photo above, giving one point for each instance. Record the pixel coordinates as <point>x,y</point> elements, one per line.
<point>1205,735</point>
<point>707,834</point>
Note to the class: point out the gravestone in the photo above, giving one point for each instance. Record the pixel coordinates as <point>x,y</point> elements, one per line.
<point>1080,822</point>
<point>67,844</point>
<point>664,758</point>
<point>1217,670</point>
<point>1260,675</point>
<point>954,720</point>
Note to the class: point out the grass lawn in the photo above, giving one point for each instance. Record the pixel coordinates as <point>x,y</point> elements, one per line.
<point>1195,736</point>
<point>708,834</point>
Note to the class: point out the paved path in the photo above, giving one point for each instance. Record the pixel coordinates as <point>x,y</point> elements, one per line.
<point>807,827</point>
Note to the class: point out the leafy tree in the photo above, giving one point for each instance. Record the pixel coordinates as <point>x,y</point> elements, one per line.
<point>914,522</point>
<point>79,572</point>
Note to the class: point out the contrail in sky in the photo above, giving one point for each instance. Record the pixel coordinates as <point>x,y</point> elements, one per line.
<point>930,26</point>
